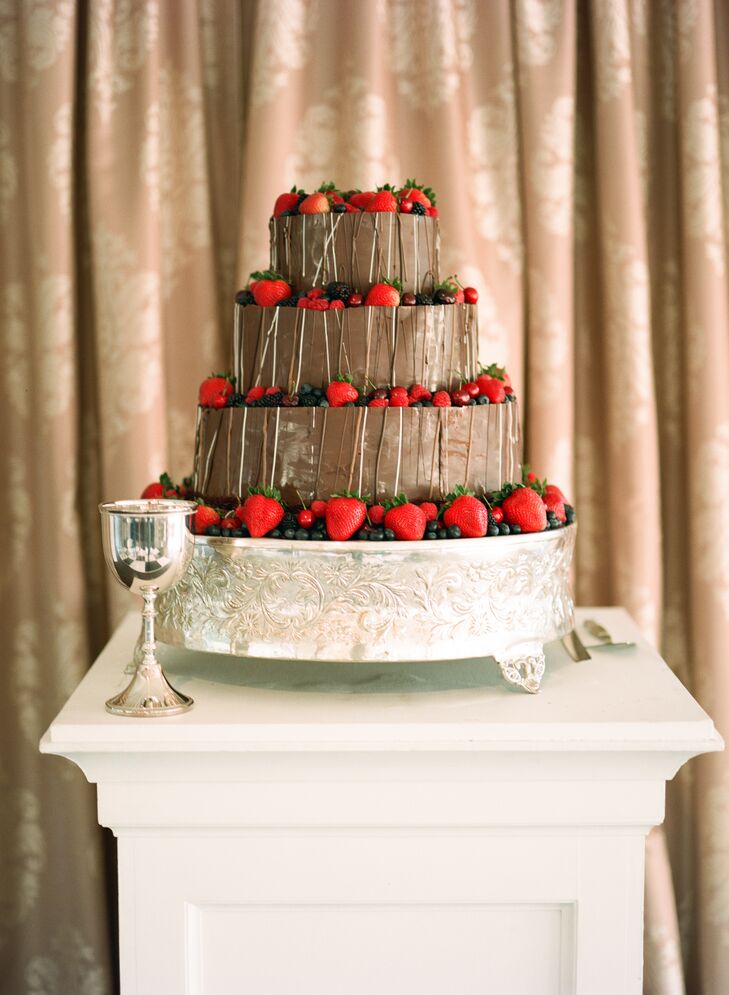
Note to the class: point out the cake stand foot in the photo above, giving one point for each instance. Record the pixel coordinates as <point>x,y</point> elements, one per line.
<point>524,671</point>
<point>148,694</point>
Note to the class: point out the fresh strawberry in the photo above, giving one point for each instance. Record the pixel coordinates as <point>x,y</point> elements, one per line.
<point>554,500</point>
<point>378,402</point>
<point>384,201</point>
<point>419,393</point>
<point>303,302</point>
<point>354,300</point>
<point>255,394</point>
<point>341,391</point>
<point>468,513</point>
<point>286,202</point>
<point>345,515</point>
<point>412,190</point>
<point>493,389</point>
<point>524,507</point>
<point>399,398</point>
<point>376,514</point>
<point>152,491</point>
<point>262,510</point>
<point>204,518</point>
<point>406,520</point>
<point>499,372</point>
<point>441,399</point>
<point>430,510</point>
<point>306,518</point>
<point>385,294</point>
<point>319,508</point>
<point>361,200</point>
<point>470,295</point>
<point>215,390</point>
<point>269,288</point>
<point>315,203</point>
<point>406,206</point>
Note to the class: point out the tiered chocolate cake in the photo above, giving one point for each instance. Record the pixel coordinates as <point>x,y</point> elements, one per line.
<point>359,303</point>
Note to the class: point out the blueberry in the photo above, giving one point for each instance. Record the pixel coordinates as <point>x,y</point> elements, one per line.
<point>504,529</point>
<point>274,534</point>
<point>305,388</point>
<point>515,529</point>
<point>317,536</point>
<point>454,532</point>
<point>442,533</point>
<point>212,530</point>
<point>289,533</point>
<point>388,535</point>
<point>302,534</point>
<point>482,399</point>
<point>493,530</point>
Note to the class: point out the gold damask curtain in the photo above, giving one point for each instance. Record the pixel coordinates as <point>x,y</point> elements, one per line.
<point>580,150</point>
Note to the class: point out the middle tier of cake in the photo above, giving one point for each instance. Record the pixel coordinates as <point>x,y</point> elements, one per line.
<point>312,453</point>
<point>436,346</point>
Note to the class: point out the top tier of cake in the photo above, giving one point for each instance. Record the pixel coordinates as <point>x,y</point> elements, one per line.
<point>310,250</point>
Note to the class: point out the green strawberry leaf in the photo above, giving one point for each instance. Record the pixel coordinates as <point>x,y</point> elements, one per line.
<point>269,492</point>
<point>266,274</point>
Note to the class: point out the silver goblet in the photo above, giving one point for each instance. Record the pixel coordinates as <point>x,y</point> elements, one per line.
<point>148,546</point>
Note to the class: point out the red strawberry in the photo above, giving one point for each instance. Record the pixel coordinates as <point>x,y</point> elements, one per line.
<point>419,393</point>
<point>215,390</point>
<point>354,300</point>
<point>412,190</point>
<point>306,518</point>
<point>319,508</point>
<point>406,206</point>
<point>499,372</point>
<point>378,402</point>
<point>385,294</point>
<point>468,513</point>
<point>470,295</point>
<point>554,500</point>
<point>384,201</point>
<point>286,202</point>
<point>341,391</point>
<point>255,394</point>
<point>361,200</point>
<point>204,518</point>
<point>493,389</point>
<point>345,515</point>
<point>376,514</point>
<point>399,398</point>
<point>524,507</point>
<point>261,511</point>
<point>315,203</point>
<point>406,520</point>
<point>303,302</point>
<point>441,399</point>
<point>430,510</point>
<point>268,288</point>
<point>152,491</point>
<point>431,212</point>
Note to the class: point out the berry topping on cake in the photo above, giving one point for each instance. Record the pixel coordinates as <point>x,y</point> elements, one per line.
<point>340,391</point>
<point>286,202</point>
<point>408,299</point>
<point>244,298</point>
<point>492,388</point>
<point>525,508</point>
<point>467,512</point>
<point>215,390</point>
<point>460,398</point>
<point>419,393</point>
<point>306,518</point>
<point>376,514</point>
<point>498,372</point>
<point>430,511</point>
<point>418,193</point>
<point>383,202</point>
<point>399,398</point>
<point>315,203</point>
<point>554,500</point>
<point>261,511</point>
<point>406,520</point>
<point>152,491</point>
<point>470,295</point>
<point>361,199</point>
<point>378,402</point>
<point>385,294</point>
<point>338,291</point>
<point>441,399</point>
<point>268,288</point>
<point>355,300</point>
<point>406,206</point>
<point>205,516</point>
<point>255,394</point>
<point>345,514</point>
<point>419,209</point>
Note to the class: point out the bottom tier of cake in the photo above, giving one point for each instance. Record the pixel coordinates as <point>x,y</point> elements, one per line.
<point>354,601</point>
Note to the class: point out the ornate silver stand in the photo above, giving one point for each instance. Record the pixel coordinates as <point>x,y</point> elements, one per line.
<point>450,599</point>
<point>148,546</point>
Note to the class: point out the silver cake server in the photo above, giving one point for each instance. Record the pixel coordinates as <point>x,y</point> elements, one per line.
<point>575,647</point>
<point>606,640</point>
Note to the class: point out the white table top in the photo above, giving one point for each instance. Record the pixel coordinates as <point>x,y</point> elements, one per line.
<point>619,700</point>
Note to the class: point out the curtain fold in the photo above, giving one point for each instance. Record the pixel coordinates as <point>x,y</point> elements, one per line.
<point>580,152</point>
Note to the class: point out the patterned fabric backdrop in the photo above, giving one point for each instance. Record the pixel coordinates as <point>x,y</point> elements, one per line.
<point>577,149</point>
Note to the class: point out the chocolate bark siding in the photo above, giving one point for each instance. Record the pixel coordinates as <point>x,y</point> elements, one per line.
<point>436,346</point>
<point>314,452</point>
<point>309,250</point>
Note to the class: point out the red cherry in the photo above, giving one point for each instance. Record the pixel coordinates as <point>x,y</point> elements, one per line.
<point>472,389</point>
<point>460,398</point>
<point>498,515</point>
<point>406,206</point>
<point>470,295</point>
<point>354,300</point>
<point>306,518</point>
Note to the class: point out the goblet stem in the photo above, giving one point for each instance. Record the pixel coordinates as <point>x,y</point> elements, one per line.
<point>149,693</point>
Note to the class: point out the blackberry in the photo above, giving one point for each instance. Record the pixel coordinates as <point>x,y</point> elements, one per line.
<point>504,529</point>
<point>244,297</point>
<point>271,400</point>
<point>570,513</point>
<point>492,521</point>
<point>361,401</point>
<point>419,208</point>
<point>339,208</point>
<point>337,290</point>
<point>423,298</point>
<point>236,401</point>
<point>288,302</point>
<point>308,401</point>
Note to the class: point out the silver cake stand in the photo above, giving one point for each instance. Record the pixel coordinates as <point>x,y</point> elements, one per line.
<point>453,599</point>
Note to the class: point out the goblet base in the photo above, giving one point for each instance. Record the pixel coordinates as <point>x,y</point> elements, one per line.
<point>148,695</point>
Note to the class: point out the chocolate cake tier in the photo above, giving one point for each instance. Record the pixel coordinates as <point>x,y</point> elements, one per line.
<point>433,345</point>
<point>310,250</point>
<point>314,452</point>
